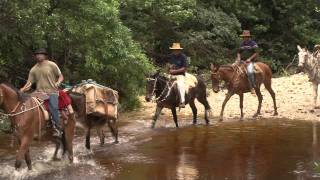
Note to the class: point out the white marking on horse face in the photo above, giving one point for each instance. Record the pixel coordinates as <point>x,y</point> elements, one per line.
<point>1,96</point>
<point>302,55</point>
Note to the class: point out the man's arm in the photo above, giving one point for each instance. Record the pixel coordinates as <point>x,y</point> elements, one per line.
<point>254,46</point>
<point>252,57</point>
<point>58,74</point>
<point>238,58</point>
<point>178,71</point>
<point>31,79</point>
<point>60,80</point>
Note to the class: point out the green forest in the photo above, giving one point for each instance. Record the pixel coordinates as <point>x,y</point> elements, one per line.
<point>117,42</point>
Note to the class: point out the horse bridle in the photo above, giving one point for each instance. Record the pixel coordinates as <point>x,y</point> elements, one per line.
<point>218,78</point>
<point>154,87</point>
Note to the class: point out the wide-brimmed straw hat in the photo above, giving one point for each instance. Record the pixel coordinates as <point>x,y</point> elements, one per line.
<point>176,46</point>
<point>245,33</point>
<point>41,51</point>
<point>317,46</point>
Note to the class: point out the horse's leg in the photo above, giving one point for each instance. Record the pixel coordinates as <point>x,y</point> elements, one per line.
<point>69,133</point>
<point>88,138</point>
<point>260,98</point>
<point>194,111</point>
<point>28,159</point>
<point>226,99</point>
<point>101,135</point>
<point>24,144</point>
<point>203,100</point>
<point>58,144</point>
<point>156,115</point>
<point>174,114</point>
<point>114,129</point>
<point>267,85</point>
<point>64,143</point>
<point>315,94</point>
<point>241,106</point>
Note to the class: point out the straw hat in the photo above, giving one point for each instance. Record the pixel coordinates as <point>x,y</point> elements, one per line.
<point>245,33</point>
<point>175,46</point>
<point>317,46</point>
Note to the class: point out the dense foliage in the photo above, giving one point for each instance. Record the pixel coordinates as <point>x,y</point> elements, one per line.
<point>115,41</point>
<point>209,29</point>
<point>86,39</point>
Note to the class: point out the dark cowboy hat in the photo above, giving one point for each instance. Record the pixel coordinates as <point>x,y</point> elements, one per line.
<point>41,51</point>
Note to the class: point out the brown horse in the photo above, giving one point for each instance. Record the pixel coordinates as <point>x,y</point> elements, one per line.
<point>28,119</point>
<point>237,83</point>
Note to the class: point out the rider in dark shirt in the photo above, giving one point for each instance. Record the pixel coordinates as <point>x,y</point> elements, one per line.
<point>178,62</point>
<point>247,53</point>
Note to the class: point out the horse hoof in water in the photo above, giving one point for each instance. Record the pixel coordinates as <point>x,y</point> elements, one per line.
<point>275,114</point>
<point>317,107</point>
<point>256,115</point>
<point>56,159</point>
<point>116,142</point>
<point>17,164</point>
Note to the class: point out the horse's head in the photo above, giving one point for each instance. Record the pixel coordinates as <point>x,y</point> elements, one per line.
<point>215,78</point>
<point>302,57</point>
<point>151,85</point>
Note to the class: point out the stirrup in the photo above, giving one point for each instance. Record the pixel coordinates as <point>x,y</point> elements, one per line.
<point>57,133</point>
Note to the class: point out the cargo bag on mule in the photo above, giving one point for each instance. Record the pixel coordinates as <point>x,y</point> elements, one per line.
<point>100,100</point>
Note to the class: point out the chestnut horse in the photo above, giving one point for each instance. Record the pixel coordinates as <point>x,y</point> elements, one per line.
<point>27,119</point>
<point>237,83</point>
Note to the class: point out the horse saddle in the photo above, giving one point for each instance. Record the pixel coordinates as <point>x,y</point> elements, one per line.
<point>42,99</point>
<point>190,81</point>
<point>242,69</point>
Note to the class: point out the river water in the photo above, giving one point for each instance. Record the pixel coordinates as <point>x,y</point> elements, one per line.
<point>261,149</point>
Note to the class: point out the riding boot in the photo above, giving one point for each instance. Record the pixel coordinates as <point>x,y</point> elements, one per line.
<point>57,131</point>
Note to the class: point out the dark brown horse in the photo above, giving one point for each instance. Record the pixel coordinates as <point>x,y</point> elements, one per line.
<point>237,83</point>
<point>167,97</point>
<point>92,121</point>
<point>27,119</point>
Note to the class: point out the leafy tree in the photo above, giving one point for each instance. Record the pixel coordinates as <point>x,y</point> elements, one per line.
<point>86,38</point>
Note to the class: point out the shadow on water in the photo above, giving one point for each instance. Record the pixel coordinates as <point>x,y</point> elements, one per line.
<point>264,150</point>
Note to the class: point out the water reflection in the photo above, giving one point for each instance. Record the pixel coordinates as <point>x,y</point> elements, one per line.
<point>256,150</point>
<point>186,169</point>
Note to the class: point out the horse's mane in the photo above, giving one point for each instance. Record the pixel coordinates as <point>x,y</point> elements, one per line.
<point>21,96</point>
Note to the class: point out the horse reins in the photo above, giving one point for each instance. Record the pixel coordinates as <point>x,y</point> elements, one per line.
<point>154,89</point>
<point>12,114</point>
<point>219,76</point>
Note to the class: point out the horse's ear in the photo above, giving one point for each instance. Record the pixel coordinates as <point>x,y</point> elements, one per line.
<point>212,67</point>
<point>299,47</point>
<point>157,72</point>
